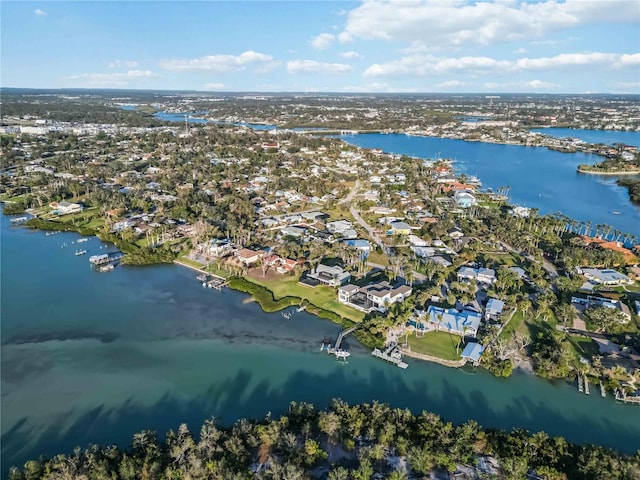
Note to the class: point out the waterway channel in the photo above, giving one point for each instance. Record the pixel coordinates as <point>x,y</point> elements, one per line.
<point>538,177</point>
<point>92,357</point>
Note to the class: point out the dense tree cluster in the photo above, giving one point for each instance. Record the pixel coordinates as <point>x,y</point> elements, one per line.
<point>344,442</point>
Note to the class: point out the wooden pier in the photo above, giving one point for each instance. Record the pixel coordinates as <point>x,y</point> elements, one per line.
<point>105,258</point>
<point>586,385</point>
<point>335,349</point>
<point>580,387</point>
<point>623,397</point>
<point>209,280</point>
<point>392,355</point>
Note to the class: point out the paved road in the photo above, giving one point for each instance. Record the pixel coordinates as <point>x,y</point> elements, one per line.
<point>546,264</point>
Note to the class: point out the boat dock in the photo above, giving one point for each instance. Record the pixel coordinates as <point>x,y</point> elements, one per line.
<point>391,354</point>
<point>209,280</point>
<point>603,392</point>
<point>623,397</point>
<point>19,220</point>
<point>580,387</point>
<point>586,385</point>
<point>105,258</point>
<point>335,349</point>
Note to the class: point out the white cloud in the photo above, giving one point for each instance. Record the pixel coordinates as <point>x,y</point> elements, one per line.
<point>436,23</point>
<point>217,63</point>
<point>40,13</point>
<point>540,85</point>
<point>312,66</point>
<point>123,63</point>
<point>120,79</point>
<point>451,84</point>
<point>214,86</point>
<point>429,65</point>
<point>322,41</point>
<point>350,54</point>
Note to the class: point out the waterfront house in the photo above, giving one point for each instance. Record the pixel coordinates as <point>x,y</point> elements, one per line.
<point>218,247</point>
<point>472,351</point>
<point>65,208</point>
<point>332,276</point>
<point>375,296</point>
<point>493,309</point>
<point>249,257</point>
<point>464,323</point>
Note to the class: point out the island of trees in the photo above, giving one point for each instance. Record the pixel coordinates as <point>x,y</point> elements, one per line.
<point>343,442</point>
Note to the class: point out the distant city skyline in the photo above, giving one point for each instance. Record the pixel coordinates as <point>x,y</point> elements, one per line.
<point>448,46</point>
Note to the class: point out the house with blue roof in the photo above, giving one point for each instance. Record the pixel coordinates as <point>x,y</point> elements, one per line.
<point>493,309</point>
<point>464,323</point>
<point>473,351</point>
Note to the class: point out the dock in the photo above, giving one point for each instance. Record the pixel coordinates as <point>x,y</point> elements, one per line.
<point>580,387</point>
<point>586,385</point>
<point>392,355</point>
<point>105,258</point>
<point>623,397</point>
<point>19,220</point>
<point>335,349</point>
<point>211,281</point>
<point>603,391</point>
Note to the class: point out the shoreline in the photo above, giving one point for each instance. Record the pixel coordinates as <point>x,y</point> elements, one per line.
<point>432,359</point>
<point>591,172</point>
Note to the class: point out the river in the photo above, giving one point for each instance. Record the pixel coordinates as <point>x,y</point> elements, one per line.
<point>606,137</point>
<point>92,357</point>
<point>538,177</point>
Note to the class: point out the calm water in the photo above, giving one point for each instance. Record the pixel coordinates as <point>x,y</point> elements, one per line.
<point>92,358</point>
<point>607,137</point>
<point>538,177</point>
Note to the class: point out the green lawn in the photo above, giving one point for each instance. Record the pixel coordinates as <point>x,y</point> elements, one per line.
<point>583,347</point>
<point>514,325</point>
<point>438,344</point>
<point>323,297</point>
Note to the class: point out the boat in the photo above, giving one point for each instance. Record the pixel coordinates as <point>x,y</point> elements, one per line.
<point>19,220</point>
<point>615,213</point>
<point>82,240</point>
<point>80,252</point>
<point>106,268</point>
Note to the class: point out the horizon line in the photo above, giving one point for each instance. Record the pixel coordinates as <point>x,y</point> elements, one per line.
<point>235,92</point>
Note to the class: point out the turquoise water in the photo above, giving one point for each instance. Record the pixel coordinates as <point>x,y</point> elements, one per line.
<point>538,177</point>
<point>93,357</point>
<point>607,137</point>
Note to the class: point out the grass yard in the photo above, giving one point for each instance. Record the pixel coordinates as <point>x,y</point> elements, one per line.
<point>438,344</point>
<point>514,325</point>
<point>320,296</point>
<point>583,347</point>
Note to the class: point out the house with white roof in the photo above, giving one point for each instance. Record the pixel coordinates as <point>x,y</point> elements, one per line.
<point>606,276</point>
<point>480,275</point>
<point>464,323</point>
<point>493,309</point>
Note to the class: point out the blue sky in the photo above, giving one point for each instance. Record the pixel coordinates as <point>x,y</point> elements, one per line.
<point>571,46</point>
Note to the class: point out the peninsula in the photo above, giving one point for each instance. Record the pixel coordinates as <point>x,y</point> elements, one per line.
<point>419,258</point>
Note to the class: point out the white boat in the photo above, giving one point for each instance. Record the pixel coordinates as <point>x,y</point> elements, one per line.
<point>106,268</point>
<point>82,240</point>
<point>80,252</point>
